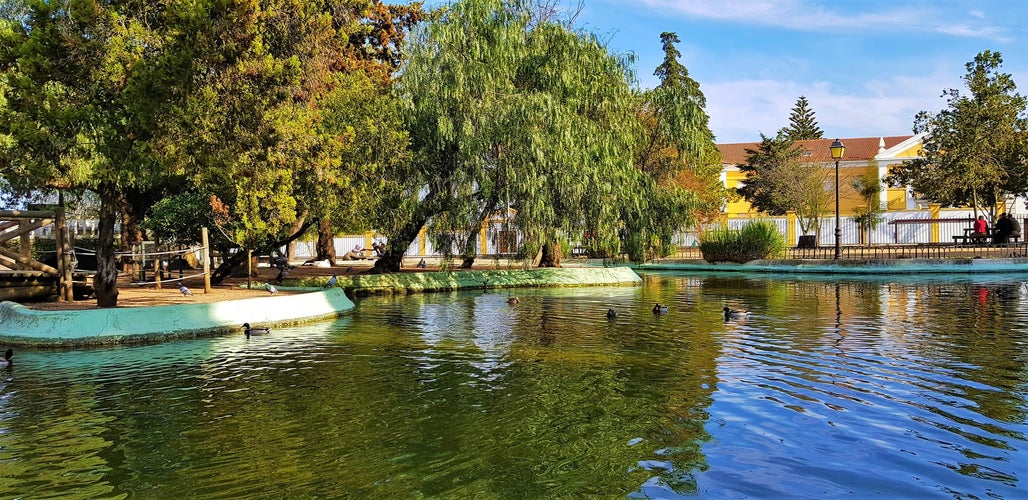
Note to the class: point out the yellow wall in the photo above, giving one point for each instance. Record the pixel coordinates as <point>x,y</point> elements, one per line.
<point>848,198</point>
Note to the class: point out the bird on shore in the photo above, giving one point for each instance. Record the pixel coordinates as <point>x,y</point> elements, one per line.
<point>659,309</point>
<point>734,313</point>
<point>271,288</point>
<point>184,291</point>
<point>513,300</point>
<point>611,314</point>
<point>332,281</point>
<point>421,264</point>
<point>7,362</point>
<point>254,331</point>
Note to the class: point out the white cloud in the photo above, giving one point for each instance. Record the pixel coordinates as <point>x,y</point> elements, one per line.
<point>807,15</point>
<point>740,110</point>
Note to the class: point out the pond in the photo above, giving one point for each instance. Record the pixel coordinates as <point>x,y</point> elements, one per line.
<point>889,387</point>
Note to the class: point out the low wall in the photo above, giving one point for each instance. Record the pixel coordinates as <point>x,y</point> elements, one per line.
<point>371,284</point>
<point>20,325</point>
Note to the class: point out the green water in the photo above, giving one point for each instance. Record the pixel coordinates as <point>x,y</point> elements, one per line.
<point>889,388</point>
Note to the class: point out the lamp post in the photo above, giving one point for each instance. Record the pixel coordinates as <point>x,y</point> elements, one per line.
<point>837,149</point>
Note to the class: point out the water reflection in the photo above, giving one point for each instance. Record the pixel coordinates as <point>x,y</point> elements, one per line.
<point>894,388</point>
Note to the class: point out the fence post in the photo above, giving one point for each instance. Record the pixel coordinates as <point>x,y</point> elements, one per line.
<point>206,254</point>
<point>790,228</point>
<point>933,213</point>
<point>483,238</point>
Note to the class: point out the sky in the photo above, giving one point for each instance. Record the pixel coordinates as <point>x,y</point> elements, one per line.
<point>866,67</point>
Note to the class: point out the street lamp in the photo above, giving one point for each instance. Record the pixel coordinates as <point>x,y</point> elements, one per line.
<point>837,149</point>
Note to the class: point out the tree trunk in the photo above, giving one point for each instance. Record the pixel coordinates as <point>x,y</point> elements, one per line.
<point>238,259</point>
<point>397,246</point>
<point>105,283</point>
<point>326,248</point>
<point>551,255</point>
<point>131,234</point>
<point>291,246</point>
<point>467,263</point>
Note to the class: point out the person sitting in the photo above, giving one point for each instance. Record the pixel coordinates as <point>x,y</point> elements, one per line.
<point>1004,228</point>
<point>356,254</point>
<point>1016,227</point>
<point>981,229</point>
<point>380,248</point>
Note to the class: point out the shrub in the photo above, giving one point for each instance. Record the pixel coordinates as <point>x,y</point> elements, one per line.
<point>756,240</point>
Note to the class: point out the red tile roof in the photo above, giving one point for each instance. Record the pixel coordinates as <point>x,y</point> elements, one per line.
<point>857,148</point>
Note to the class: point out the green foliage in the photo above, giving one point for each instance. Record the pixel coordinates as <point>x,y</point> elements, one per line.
<point>802,124</point>
<point>678,151</point>
<point>869,186</point>
<point>975,149</point>
<point>509,112</point>
<point>777,182</point>
<point>756,240</point>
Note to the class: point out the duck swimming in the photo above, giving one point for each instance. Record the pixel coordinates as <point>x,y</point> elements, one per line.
<point>659,309</point>
<point>734,313</point>
<point>254,331</point>
<point>514,300</point>
<point>611,314</point>
<point>7,363</point>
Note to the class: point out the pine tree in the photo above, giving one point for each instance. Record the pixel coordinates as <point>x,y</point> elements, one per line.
<point>802,124</point>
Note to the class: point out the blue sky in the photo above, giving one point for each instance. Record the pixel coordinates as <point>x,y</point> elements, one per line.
<point>866,66</point>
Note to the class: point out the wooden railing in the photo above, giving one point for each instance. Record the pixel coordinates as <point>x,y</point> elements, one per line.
<point>20,224</point>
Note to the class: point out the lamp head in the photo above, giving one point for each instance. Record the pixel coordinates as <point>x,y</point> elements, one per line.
<point>837,149</point>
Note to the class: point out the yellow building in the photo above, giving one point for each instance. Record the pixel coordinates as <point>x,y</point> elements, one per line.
<point>861,154</point>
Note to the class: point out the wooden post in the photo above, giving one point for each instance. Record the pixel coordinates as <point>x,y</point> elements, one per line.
<point>64,267</point>
<point>206,254</point>
<point>157,272</point>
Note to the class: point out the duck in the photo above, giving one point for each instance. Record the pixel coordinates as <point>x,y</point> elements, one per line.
<point>513,300</point>
<point>734,313</point>
<point>255,331</point>
<point>332,281</point>
<point>7,362</point>
<point>271,288</point>
<point>659,309</point>
<point>611,314</point>
<point>184,291</point>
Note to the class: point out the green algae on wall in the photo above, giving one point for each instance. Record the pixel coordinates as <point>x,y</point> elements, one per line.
<point>470,280</point>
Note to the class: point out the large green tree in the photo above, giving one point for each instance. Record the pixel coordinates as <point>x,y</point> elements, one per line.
<point>975,149</point>
<point>777,181</point>
<point>77,112</point>
<point>511,111</point>
<point>677,147</point>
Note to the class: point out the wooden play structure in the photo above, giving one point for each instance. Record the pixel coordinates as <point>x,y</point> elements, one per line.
<point>21,276</point>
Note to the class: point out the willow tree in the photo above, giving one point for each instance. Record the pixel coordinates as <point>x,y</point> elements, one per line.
<point>974,150</point>
<point>507,111</point>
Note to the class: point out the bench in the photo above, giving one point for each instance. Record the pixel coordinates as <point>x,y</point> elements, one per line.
<point>982,239</point>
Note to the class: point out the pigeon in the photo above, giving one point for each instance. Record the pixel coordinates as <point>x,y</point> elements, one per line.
<point>659,309</point>
<point>271,288</point>
<point>332,281</point>
<point>611,314</point>
<point>254,331</point>
<point>184,290</point>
